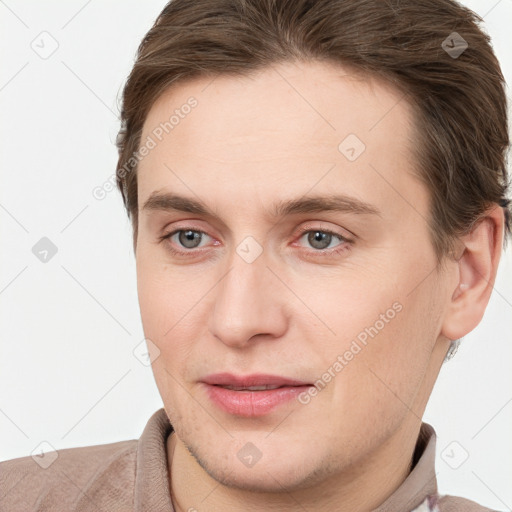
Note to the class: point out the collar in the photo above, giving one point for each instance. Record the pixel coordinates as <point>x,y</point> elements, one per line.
<point>421,481</point>
<point>151,472</point>
<point>152,476</point>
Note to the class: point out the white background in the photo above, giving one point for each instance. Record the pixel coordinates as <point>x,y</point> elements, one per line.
<point>69,326</point>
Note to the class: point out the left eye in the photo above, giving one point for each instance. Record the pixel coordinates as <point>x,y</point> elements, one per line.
<point>321,239</point>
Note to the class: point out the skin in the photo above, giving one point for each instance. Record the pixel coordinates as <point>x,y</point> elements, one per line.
<point>249,143</point>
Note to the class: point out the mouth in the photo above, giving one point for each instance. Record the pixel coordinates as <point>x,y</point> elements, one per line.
<point>251,395</point>
<point>249,388</point>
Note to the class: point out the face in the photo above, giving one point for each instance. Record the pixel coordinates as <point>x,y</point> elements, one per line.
<point>296,255</point>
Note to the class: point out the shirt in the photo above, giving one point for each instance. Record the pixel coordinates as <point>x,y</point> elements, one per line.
<point>133,475</point>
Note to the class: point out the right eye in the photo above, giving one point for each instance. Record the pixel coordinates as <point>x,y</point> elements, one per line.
<point>186,238</point>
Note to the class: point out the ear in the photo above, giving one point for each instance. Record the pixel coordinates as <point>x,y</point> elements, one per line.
<point>477,267</point>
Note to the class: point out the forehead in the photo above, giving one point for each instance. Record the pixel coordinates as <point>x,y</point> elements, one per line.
<point>328,97</point>
<point>280,128</point>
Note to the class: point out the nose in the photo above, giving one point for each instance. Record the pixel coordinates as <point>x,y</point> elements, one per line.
<point>249,301</point>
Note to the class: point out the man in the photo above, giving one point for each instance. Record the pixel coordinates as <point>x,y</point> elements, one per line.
<point>318,197</point>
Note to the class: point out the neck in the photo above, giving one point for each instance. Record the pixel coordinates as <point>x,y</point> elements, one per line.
<point>360,488</point>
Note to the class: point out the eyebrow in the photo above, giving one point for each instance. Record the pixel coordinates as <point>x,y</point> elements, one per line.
<point>159,201</point>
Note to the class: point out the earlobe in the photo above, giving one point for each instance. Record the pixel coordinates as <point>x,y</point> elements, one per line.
<point>477,268</point>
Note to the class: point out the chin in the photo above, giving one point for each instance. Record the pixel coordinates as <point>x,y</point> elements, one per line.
<point>275,474</point>
<point>265,480</point>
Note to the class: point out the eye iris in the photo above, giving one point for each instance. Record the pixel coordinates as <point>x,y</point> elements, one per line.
<point>318,236</point>
<point>189,238</point>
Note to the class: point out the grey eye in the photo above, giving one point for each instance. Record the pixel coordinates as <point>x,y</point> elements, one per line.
<point>321,239</point>
<point>189,239</point>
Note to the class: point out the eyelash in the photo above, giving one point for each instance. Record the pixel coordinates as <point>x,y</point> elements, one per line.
<point>344,245</point>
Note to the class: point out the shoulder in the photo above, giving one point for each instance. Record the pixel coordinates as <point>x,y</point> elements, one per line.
<point>457,504</point>
<point>64,478</point>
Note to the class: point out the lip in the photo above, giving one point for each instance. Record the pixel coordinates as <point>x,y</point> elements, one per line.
<point>254,379</point>
<point>249,403</point>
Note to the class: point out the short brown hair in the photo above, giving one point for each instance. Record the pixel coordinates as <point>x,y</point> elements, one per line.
<point>459,101</point>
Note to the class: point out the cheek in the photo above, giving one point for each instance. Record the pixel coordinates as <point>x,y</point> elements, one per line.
<point>396,361</point>
<point>173,305</point>
<point>174,308</point>
<point>167,316</point>
<point>382,338</point>
<point>165,293</point>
